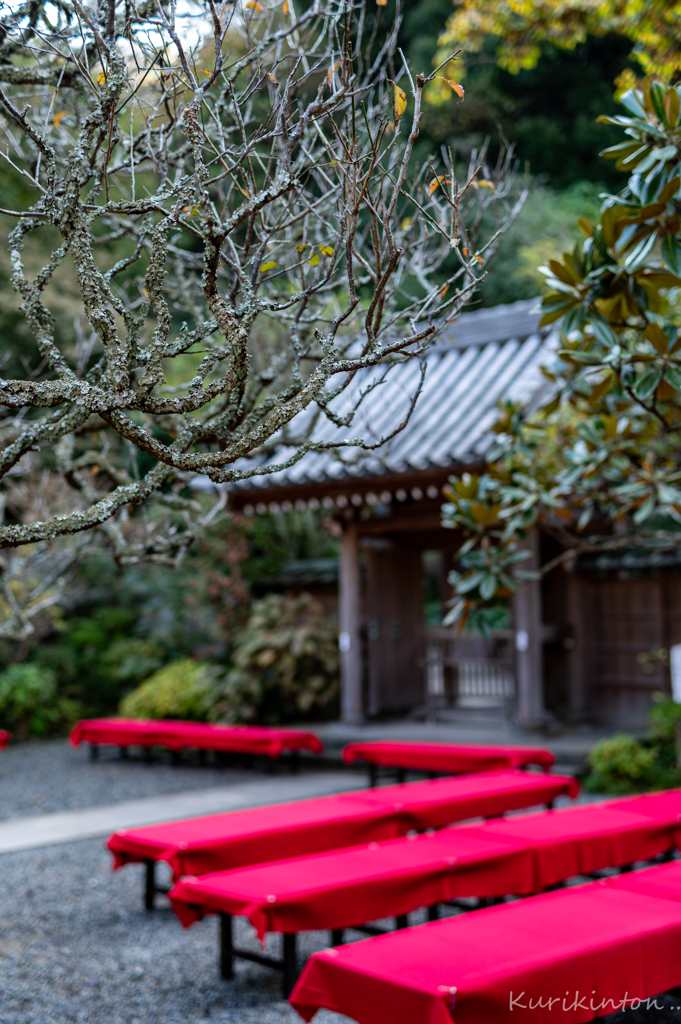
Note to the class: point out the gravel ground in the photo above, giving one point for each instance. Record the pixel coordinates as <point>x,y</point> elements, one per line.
<point>38,778</point>
<point>76,948</point>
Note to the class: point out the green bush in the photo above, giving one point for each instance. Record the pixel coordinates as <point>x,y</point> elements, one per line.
<point>285,665</point>
<point>663,716</point>
<point>29,703</point>
<point>623,764</point>
<point>178,690</point>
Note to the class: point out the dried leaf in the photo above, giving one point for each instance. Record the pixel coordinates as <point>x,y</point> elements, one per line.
<point>458,89</point>
<point>443,291</point>
<point>268,266</point>
<point>273,80</point>
<point>400,101</point>
<point>483,183</point>
<point>299,248</point>
<point>381,3</point>
<point>286,8</point>
<point>441,180</point>
<point>206,71</point>
<point>255,5</point>
<point>331,72</point>
<point>58,119</point>
<point>95,470</point>
<point>313,260</point>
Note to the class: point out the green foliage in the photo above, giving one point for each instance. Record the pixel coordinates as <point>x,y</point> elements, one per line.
<point>29,703</point>
<point>179,690</point>
<point>663,716</point>
<point>285,665</point>
<point>97,656</point>
<point>624,764</point>
<point>621,764</point>
<point>599,467</point>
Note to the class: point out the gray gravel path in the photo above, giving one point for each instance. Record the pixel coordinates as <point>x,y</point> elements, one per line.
<point>37,778</point>
<point>76,948</point>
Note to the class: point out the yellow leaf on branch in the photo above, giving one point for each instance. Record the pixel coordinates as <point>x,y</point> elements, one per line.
<point>268,266</point>
<point>313,260</point>
<point>326,250</point>
<point>441,180</point>
<point>331,72</point>
<point>286,8</point>
<point>58,119</point>
<point>101,78</point>
<point>255,5</point>
<point>400,101</point>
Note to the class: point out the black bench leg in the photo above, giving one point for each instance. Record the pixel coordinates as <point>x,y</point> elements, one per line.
<point>175,758</point>
<point>549,805</point>
<point>226,947</point>
<point>147,755</point>
<point>94,751</point>
<point>434,912</point>
<point>337,936</point>
<point>401,775</point>
<point>149,884</point>
<point>295,762</point>
<point>402,921</point>
<point>290,963</point>
<point>373,776</point>
<point>123,752</point>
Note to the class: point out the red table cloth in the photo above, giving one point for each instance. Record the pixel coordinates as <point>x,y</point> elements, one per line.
<point>5,737</point>
<point>245,739</point>
<point>667,804</point>
<point>446,757</point>
<point>516,855</point>
<point>662,881</point>
<point>341,888</point>
<point>580,840</point>
<point>217,842</point>
<point>568,955</point>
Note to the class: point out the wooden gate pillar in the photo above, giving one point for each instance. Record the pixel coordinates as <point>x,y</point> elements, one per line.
<point>527,621</point>
<point>349,623</point>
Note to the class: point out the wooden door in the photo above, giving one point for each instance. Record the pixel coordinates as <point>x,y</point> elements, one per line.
<point>395,630</point>
<point>628,619</point>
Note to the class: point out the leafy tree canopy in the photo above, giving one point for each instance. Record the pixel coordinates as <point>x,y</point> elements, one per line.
<point>523,26</point>
<point>599,467</point>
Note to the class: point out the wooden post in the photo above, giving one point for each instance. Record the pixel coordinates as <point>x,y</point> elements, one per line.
<point>527,620</point>
<point>578,611</point>
<point>349,621</point>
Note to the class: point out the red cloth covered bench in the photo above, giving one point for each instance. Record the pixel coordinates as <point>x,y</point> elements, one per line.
<point>574,954</point>
<point>451,758</point>
<point>5,737</point>
<point>343,888</point>
<point>177,736</point>
<point>217,842</point>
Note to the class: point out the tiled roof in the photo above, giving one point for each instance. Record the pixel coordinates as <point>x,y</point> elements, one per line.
<point>488,355</point>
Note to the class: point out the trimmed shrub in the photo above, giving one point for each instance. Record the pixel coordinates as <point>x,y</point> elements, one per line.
<point>29,703</point>
<point>623,764</point>
<point>285,665</point>
<point>179,690</point>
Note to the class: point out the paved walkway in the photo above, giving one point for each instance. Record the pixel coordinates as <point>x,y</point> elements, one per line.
<point>66,826</point>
